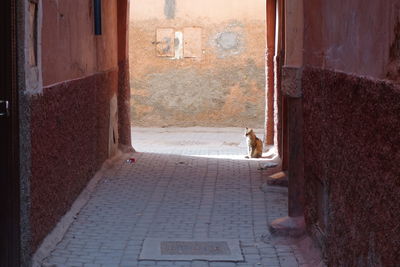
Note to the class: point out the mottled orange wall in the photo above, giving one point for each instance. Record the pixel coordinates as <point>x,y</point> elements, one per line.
<point>213,10</point>
<point>70,50</point>
<point>222,88</point>
<point>350,36</point>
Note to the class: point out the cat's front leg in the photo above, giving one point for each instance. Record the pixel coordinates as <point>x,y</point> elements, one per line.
<point>248,153</point>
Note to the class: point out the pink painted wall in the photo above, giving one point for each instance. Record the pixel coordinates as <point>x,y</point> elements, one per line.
<point>351,36</point>
<point>70,50</point>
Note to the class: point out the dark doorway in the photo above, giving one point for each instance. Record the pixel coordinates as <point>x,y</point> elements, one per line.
<point>9,152</point>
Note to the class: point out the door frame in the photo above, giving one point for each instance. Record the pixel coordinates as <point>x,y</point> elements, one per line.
<point>9,155</point>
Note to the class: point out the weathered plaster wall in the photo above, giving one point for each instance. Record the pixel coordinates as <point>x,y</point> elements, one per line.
<point>213,10</point>
<point>124,120</point>
<point>70,48</point>
<point>351,36</point>
<point>224,87</point>
<point>351,126</point>
<point>74,120</point>
<point>352,152</point>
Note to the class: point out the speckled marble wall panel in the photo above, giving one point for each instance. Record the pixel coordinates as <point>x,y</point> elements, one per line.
<point>352,146</point>
<point>69,133</point>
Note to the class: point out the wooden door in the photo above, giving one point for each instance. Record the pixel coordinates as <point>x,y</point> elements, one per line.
<point>9,151</point>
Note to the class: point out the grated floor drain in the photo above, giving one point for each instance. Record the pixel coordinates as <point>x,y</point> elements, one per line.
<point>194,248</point>
<point>188,250</point>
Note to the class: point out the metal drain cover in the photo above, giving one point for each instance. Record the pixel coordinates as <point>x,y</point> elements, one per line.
<point>194,248</point>
<point>189,249</point>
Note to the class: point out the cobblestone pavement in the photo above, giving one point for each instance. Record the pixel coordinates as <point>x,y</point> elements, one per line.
<point>186,183</point>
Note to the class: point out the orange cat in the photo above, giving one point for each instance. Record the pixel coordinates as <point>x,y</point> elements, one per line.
<point>254,144</point>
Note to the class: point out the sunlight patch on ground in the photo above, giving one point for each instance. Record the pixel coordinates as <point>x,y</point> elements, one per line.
<point>227,156</point>
<point>203,142</point>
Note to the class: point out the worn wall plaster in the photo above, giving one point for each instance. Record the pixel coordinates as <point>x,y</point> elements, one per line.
<point>70,49</point>
<point>348,40</point>
<point>113,129</point>
<point>222,85</point>
<point>33,35</point>
<point>169,9</point>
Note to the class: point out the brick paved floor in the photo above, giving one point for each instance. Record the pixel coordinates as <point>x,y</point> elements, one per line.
<point>186,183</point>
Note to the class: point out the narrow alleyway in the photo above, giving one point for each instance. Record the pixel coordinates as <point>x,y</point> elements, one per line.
<point>186,183</point>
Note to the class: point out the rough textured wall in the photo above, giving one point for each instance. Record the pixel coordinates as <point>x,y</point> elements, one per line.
<point>352,36</point>
<point>72,122</point>
<point>69,135</point>
<point>351,120</point>
<point>124,94</point>
<point>224,87</point>
<point>352,155</point>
